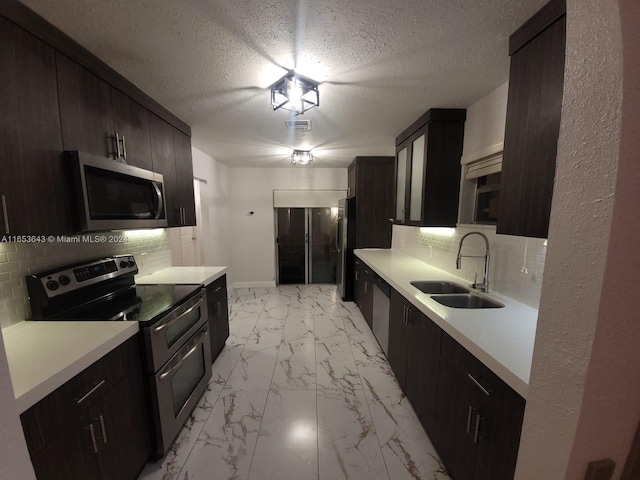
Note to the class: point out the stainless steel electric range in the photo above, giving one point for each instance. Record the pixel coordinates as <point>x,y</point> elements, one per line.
<point>173,324</point>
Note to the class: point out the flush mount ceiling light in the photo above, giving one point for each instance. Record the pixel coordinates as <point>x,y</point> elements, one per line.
<point>295,93</point>
<point>303,157</point>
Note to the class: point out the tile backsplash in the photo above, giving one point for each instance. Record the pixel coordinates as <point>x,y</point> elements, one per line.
<point>151,250</point>
<point>512,272</point>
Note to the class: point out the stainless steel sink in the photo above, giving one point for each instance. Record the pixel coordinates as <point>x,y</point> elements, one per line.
<point>466,301</point>
<point>439,287</point>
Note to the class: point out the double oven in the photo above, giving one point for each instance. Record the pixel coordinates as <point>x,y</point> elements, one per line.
<point>173,322</point>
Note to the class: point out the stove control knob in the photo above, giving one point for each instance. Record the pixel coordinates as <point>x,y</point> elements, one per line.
<point>132,263</point>
<point>64,280</point>
<point>52,285</point>
<point>123,264</point>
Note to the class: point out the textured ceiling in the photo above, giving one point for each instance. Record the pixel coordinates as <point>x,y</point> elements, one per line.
<point>381,64</point>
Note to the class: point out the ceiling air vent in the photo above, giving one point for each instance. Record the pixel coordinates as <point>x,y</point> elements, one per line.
<point>298,124</point>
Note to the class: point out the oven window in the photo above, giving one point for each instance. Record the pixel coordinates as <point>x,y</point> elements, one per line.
<point>175,331</point>
<point>186,379</point>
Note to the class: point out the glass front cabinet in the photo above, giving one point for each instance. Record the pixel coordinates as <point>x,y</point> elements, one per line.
<point>428,169</point>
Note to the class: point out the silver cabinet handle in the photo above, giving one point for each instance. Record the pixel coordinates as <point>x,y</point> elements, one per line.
<point>486,391</point>
<point>93,438</point>
<point>469,415</point>
<point>366,286</point>
<point>179,315</point>
<point>89,393</point>
<point>5,214</point>
<point>104,431</point>
<point>476,433</point>
<point>116,154</point>
<point>178,365</point>
<point>357,276</point>
<point>124,150</point>
<point>219,308</point>
<point>217,289</point>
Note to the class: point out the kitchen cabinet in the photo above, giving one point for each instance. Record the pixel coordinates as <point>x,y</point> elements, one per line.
<point>427,170</point>
<point>34,198</point>
<point>218,311</point>
<point>171,152</point>
<point>184,177</point>
<point>479,417</point>
<point>532,128</point>
<point>363,290</point>
<point>92,113</point>
<point>414,350</point>
<point>96,426</point>
<point>371,182</point>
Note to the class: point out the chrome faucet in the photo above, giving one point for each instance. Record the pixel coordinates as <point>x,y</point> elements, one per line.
<point>484,286</point>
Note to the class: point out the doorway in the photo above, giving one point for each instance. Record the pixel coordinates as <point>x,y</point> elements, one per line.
<point>306,245</point>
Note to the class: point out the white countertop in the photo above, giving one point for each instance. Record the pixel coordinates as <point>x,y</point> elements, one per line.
<point>183,275</point>
<point>44,355</point>
<point>502,338</point>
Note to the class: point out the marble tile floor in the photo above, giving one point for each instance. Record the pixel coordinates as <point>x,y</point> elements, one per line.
<point>301,391</point>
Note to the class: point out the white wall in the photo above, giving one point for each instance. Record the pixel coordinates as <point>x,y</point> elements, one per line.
<point>14,456</point>
<point>215,197</point>
<point>584,396</point>
<point>252,237</point>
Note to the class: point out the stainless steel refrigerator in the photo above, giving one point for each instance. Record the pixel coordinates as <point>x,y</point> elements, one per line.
<point>346,242</point>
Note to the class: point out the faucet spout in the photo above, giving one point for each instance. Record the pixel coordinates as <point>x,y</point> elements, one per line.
<point>484,286</point>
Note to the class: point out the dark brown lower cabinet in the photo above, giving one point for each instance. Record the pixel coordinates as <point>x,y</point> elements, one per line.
<point>479,417</point>
<point>363,290</point>
<point>218,310</point>
<point>100,431</point>
<point>414,349</point>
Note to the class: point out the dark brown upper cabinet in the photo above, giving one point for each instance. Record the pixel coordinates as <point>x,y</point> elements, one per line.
<point>86,111</point>
<point>371,182</point>
<point>534,105</point>
<point>99,119</point>
<point>171,153</point>
<point>427,175</point>
<point>34,197</point>
<point>133,125</point>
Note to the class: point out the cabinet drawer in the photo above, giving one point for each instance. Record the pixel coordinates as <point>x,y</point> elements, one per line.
<point>218,287</point>
<point>468,366</point>
<point>43,422</point>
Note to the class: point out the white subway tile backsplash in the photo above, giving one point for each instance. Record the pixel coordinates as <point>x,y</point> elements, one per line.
<point>20,259</point>
<point>439,247</point>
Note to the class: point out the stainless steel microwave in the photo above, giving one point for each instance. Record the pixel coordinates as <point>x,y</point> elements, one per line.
<point>110,195</point>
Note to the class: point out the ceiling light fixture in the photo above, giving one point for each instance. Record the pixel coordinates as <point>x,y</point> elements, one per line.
<point>303,157</point>
<point>295,93</point>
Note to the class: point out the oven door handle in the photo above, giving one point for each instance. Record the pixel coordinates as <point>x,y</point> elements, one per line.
<point>201,338</point>
<point>173,320</point>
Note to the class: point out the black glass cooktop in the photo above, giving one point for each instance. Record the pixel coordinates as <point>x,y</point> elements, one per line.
<point>140,303</point>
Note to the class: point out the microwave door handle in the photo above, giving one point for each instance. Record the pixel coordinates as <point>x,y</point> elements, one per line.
<point>159,209</point>
<point>178,365</point>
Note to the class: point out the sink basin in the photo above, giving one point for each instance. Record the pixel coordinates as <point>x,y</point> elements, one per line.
<point>466,301</point>
<point>439,287</point>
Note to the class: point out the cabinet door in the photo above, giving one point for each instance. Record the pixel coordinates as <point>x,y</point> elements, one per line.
<point>71,456</point>
<point>132,123</point>
<point>218,311</point>
<point>34,197</point>
<point>423,352</point>
<point>531,134</point>
<point>121,423</point>
<point>358,287</point>
<point>86,110</point>
<point>397,354</point>
<point>416,179</point>
<point>184,177</point>
<point>351,181</point>
<point>452,432</point>
<point>499,429</point>
<point>164,162</point>
<point>401,184</point>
